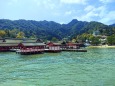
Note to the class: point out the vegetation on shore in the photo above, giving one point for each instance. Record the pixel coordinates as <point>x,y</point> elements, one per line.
<point>95,40</point>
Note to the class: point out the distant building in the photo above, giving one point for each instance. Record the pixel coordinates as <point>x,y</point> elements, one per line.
<point>103,40</point>
<point>53,46</point>
<point>8,46</point>
<point>14,43</point>
<point>71,45</point>
<point>40,46</point>
<point>96,33</point>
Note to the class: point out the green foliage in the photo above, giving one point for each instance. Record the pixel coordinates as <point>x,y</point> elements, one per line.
<point>84,37</point>
<point>74,40</point>
<point>92,39</point>
<point>54,39</point>
<point>2,33</point>
<point>20,35</point>
<point>49,29</point>
<point>95,40</point>
<point>111,40</point>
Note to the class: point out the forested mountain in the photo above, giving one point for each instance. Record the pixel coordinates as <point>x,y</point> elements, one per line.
<point>49,29</point>
<point>113,25</point>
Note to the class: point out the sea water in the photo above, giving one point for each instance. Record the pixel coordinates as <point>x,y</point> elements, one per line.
<point>93,68</point>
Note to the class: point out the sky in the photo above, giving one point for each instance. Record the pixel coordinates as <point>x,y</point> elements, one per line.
<point>60,11</point>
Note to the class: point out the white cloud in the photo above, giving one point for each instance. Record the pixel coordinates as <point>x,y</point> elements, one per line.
<point>47,4</point>
<point>56,13</point>
<point>107,1</point>
<point>92,13</point>
<point>68,12</point>
<point>108,18</point>
<point>89,8</point>
<point>15,1</point>
<point>88,17</point>
<point>73,1</point>
<point>101,14</point>
<point>60,10</point>
<point>12,2</point>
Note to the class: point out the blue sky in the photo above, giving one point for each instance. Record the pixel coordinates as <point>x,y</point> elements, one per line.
<point>61,11</point>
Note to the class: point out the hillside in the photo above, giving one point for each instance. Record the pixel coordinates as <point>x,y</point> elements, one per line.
<point>113,25</point>
<point>49,29</point>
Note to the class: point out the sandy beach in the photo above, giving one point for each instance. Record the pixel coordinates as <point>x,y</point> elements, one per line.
<point>101,46</point>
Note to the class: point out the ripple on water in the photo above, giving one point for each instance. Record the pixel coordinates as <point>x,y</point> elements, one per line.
<point>93,68</point>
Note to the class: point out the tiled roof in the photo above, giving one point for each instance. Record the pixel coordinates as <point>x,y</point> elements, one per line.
<point>8,44</point>
<point>56,43</point>
<point>14,40</point>
<point>33,44</point>
<point>51,43</point>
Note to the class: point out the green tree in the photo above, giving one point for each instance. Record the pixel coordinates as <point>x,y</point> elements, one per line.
<point>20,35</point>
<point>74,40</point>
<point>54,39</point>
<point>2,33</point>
<point>95,40</point>
<point>111,40</point>
<point>7,33</point>
<point>13,33</point>
<point>83,37</point>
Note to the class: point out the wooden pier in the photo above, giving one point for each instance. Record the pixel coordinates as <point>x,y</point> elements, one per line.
<point>75,50</point>
<point>52,51</point>
<point>40,51</point>
<point>29,51</point>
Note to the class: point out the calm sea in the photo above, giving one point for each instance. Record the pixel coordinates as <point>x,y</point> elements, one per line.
<point>93,68</point>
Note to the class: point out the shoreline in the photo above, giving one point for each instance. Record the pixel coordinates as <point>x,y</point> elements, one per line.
<point>101,46</point>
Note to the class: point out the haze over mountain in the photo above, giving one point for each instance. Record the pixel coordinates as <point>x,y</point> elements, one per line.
<point>48,29</point>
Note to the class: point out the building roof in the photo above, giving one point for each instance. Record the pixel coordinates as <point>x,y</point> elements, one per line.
<point>56,43</point>
<point>75,44</point>
<point>71,44</point>
<point>8,44</point>
<point>53,44</point>
<point>25,44</point>
<point>33,44</point>
<point>15,40</point>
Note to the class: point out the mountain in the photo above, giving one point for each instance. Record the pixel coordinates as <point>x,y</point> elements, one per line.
<point>49,29</point>
<point>113,25</point>
<point>41,29</point>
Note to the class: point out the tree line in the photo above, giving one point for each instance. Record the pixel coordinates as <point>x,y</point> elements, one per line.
<point>94,40</point>
<point>12,34</point>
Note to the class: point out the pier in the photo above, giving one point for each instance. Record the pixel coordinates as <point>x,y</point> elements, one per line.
<point>40,51</point>
<point>29,51</point>
<point>52,51</point>
<point>75,50</point>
